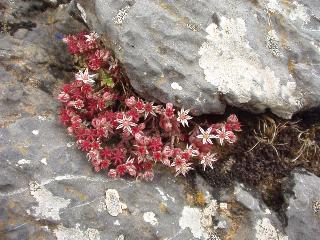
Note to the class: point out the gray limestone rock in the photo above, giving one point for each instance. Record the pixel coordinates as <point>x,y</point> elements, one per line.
<point>202,55</point>
<point>303,200</point>
<point>49,191</point>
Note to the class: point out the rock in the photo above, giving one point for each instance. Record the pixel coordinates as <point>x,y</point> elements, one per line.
<point>303,200</point>
<point>261,222</point>
<point>33,62</point>
<point>48,190</point>
<point>256,55</point>
<point>65,198</point>
<point>21,33</point>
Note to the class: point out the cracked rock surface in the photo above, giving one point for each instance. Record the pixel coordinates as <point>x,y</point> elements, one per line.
<point>49,191</point>
<point>202,55</point>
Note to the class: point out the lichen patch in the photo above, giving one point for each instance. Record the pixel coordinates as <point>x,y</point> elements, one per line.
<point>176,86</point>
<point>64,233</point>
<point>122,13</point>
<point>48,205</point>
<point>191,219</point>
<point>266,231</point>
<point>234,68</point>
<point>113,204</point>
<point>150,217</point>
<point>273,43</point>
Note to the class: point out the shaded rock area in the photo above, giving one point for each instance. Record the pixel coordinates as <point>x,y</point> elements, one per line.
<point>256,55</point>
<point>49,191</point>
<point>32,60</point>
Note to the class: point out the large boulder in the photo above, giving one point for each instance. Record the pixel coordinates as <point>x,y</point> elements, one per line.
<point>202,55</point>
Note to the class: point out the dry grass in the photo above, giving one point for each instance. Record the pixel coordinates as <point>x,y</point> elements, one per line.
<point>309,146</point>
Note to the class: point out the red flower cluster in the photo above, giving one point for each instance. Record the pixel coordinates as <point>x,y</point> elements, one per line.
<point>127,135</point>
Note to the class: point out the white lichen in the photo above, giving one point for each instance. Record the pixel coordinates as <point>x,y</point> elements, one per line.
<point>42,118</point>
<point>274,6</point>
<point>113,204</point>
<point>150,217</point>
<point>116,223</point>
<point>23,162</point>
<point>208,212</point>
<point>266,231</point>
<point>223,206</point>
<point>44,161</point>
<point>64,233</point>
<point>200,221</point>
<point>35,132</point>
<point>299,13</point>
<point>101,206</point>
<point>234,68</point>
<point>122,13</point>
<point>316,207</point>
<point>295,11</point>
<point>191,219</point>
<point>48,204</point>
<point>176,86</point>
<point>273,43</point>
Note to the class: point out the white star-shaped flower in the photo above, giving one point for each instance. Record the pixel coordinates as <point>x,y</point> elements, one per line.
<point>183,168</point>
<point>183,117</point>
<point>206,135</point>
<point>207,160</point>
<point>85,76</point>
<point>126,123</point>
<point>91,37</point>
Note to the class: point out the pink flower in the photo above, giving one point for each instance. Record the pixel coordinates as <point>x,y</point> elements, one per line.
<point>149,109</point>
<point>206,135</point>
<point>107,96</point>
<point>93,155</point>
<point>112,173</point>
<point>169,111</point>
<point>85,76</point>
<point>91,114</point>
<point>63,97</point>
<point>207,160</point>
<point>139,106</point>
<point>103,54</point>
<point>94,62</point>
<point>98,122</point>
<point>130,102</point>
<point>78,104</point>
<point>193,152</point>
<point>126,123</point>
<point>183,117</point>
<point>181,167</point>
<point>233,123</point>
<point>222,135</point>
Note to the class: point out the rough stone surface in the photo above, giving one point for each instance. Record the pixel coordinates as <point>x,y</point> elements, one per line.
<point>303,199</point>
<point>48,189</point>
<point>256,55</point>
<point>262,222</point>
<point>32,61</point>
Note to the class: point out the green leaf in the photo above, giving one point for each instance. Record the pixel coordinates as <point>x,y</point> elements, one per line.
<point>106,79</point>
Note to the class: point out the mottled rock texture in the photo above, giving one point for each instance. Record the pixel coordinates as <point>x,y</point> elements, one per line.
<point>48,189</point>
<point>303,210</point>
<point>204,54</point>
